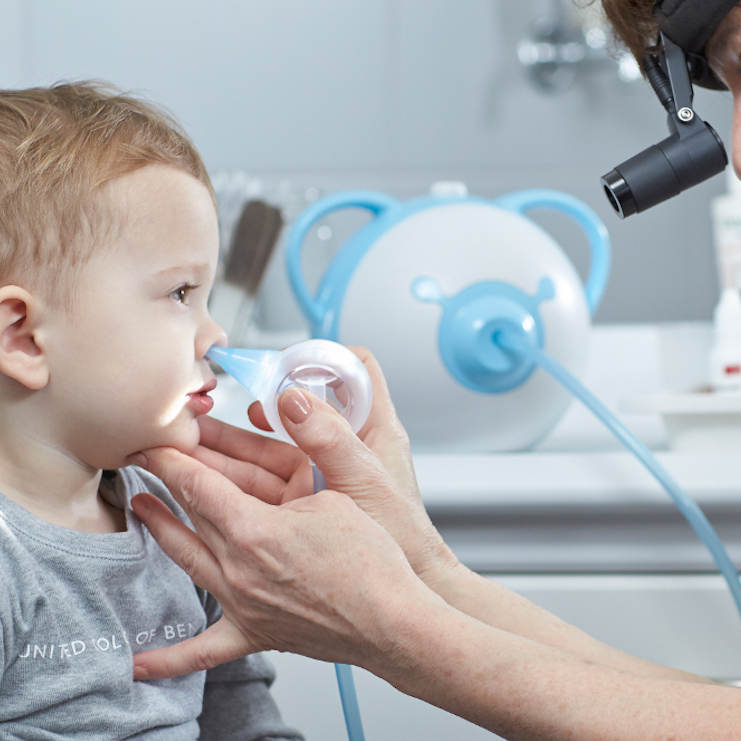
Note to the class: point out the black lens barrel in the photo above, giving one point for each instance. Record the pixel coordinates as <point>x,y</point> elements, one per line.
<point>664,170</point>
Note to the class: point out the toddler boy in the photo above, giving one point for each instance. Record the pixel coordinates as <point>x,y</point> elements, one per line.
<point>108,249</point>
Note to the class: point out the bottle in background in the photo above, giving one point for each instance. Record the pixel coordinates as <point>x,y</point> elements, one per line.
<point>725,356</point>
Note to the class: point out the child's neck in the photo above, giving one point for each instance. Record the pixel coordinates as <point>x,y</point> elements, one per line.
<point>55,488</point>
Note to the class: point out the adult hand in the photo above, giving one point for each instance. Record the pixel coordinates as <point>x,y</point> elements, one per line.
<point>266,561</point>
<point>236,532</point>
<point>387,489</point>
<point>314,576</point>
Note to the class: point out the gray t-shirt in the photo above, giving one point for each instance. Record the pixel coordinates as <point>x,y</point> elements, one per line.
<point>74,609</point>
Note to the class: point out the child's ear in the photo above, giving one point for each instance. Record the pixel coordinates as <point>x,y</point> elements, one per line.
<point>22,354</point>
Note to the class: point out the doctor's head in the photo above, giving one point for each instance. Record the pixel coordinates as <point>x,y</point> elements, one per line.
<point>708,31</point>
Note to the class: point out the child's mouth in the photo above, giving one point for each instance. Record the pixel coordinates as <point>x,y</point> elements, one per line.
<point>200,402</point>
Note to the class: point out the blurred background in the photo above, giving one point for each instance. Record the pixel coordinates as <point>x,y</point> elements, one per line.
<point>299,98</point>
<point>289,100</point>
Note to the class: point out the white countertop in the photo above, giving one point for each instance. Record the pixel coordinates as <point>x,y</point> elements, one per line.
<point>586,478</point>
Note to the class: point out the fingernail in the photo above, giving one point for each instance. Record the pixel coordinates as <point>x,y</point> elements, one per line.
<point>140,505</point>
<point>295,405</point>
<point>138,459</point>
<point>140,673</point>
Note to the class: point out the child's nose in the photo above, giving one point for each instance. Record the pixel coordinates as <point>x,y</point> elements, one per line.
<point>211,334</point>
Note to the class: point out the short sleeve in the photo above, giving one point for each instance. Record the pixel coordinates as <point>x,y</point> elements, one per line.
<point>238,705</point>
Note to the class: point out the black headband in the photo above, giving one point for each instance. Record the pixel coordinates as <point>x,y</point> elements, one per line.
<point>690,24</point>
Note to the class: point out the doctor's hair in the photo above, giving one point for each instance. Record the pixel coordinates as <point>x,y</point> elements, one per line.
<point>59,147</point>
<point>634,25</point>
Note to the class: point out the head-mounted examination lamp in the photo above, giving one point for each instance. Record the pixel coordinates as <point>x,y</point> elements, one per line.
<point>692,152</point>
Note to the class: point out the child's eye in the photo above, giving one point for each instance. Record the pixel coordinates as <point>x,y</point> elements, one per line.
<point>182,293</point>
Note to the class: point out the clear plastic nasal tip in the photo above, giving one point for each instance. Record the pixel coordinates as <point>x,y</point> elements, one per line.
<point>327,369</point>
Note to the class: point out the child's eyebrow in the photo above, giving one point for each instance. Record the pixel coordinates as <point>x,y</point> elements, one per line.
<point>196,268</point>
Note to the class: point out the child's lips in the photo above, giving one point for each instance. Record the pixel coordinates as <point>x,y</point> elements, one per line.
<point>207,387</point>
<point>199,401</point>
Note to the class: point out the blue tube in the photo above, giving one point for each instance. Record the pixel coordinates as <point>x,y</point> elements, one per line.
<point>686,505</point>
<point>349,702</point>
<point>345,682</point>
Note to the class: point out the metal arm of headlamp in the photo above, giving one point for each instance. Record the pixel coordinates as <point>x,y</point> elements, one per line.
<point>692,152</point>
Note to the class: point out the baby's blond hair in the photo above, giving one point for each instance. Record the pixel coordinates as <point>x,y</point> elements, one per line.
<point>58,147</point>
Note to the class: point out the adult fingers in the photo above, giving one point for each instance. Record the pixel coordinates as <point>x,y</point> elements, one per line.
<point>329,442</point>
<point>257,481</point>
<point>237,444</point>
<point>383,412</point>
<point>268,469</point>
<point>347,464</point>
<point>383,432</point>
<point>209,499</point>
<point>257,416</point>
<point>378,473</point>
<point>218,644</point>
<point>179,542</point>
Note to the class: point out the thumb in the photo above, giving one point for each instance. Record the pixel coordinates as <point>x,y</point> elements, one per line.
<point>218,644</point>
<point>326,437</point>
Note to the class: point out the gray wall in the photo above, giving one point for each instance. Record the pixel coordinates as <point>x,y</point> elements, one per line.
<point>390,94</point>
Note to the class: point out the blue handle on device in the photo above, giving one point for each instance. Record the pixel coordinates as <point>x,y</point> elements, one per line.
<point>370,200</point>
<point>323,308</point>
<point>596,232</point>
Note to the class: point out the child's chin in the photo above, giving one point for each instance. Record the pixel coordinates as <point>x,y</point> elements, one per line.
<point>182,435</point>
<point>187,440</point>
<point>185,447</point>
<point>184,443</point>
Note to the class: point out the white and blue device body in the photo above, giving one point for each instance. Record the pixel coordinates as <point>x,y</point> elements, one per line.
<point>427,282</point>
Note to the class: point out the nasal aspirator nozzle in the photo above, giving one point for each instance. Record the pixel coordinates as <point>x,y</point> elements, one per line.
<point>249,367</point>
<point>325,368</point>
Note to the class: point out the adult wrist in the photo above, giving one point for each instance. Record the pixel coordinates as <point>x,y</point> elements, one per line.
<point>437,566</point>
<point>405,624</point>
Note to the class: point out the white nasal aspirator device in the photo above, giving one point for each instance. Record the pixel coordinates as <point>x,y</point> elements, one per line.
<point>334,374</point>
<point>325,368</point>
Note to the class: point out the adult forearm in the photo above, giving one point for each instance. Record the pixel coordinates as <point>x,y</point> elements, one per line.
<point>499,607</point>
<point>525,690</point>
